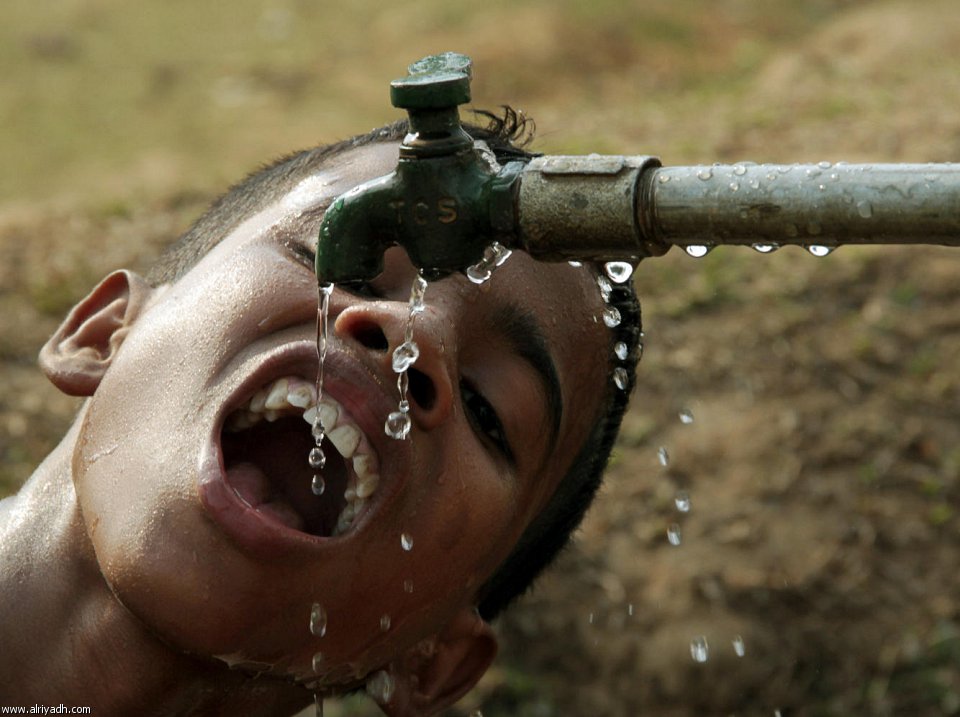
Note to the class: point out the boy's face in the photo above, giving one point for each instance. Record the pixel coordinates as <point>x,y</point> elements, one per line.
<point>205,535</point>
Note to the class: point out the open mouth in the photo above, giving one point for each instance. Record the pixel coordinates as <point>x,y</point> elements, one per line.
<point>265,447</point>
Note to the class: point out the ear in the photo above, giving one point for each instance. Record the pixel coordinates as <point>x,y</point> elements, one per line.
<point>79,352</point>
<point>427,681</point>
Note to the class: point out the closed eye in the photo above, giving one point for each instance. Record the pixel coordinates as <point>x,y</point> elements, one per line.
<point>484,420</point>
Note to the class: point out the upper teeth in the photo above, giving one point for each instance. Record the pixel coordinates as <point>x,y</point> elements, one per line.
<point>290,395</point>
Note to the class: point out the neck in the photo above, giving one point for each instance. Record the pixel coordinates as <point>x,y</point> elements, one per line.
<point>66,638</point>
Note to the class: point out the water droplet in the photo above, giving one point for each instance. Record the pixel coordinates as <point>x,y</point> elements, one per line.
<point>318,485</point>
<point>397,425</point>
<point>865,209</point>
<point>605,287</point>
<point>813,173</point>
<point>705,174</point>
<point>405,355</point>
<point>765,248</point>
<point>408,586</point>
<point>673,534</point>
<point>406,541</point>
<point>819,249</point>
<point>682,501</point>
<point>478,273</point>
<point>318,620</point>
<point>496,254</point>
<point>663,456</point>
<point>663,178</point>
<point>380,686</point>
<point>699,649</point>
<point>734,186</point>
<point>316,459</point>
<point>590,618</point>
<point>618,271</point>
<point>621,350</point>
<point>316,430</point>
<point>824,165</point>
<point>754,184</point>
<point>834,177</point>
<point>611,317</point>
<point>738,646</point>
<point>317,661</point>
<point>739,170</point>
<point>697,251</point>
<point>630,610</point>
<point>417,291</point>
<point>621,378</point>
<point>686,416</point>
<point>575,264</point>
<point>384,623</point>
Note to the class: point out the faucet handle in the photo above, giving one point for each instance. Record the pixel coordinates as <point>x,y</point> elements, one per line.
<point>434,82</point>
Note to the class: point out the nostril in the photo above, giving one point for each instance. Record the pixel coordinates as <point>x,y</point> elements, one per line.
<point>370,335</point>
<point>421,388</point>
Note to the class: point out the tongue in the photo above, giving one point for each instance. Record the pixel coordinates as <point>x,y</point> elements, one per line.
<point>252,487</point>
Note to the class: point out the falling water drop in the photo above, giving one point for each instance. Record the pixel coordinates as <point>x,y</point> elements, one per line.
<point>819,249</point>
<point>682,501</point>
<point>476,713</point>
<point>699,649</point>
<point>318,620</point>
<point>621,378</point>
<point>865,209</point>
<point>686,416</point>
<point>316,459</point>
<point>630,610</point>
<point>397,425</point>
<point>765,248</point>
<point>406,541</point>
<point>611,317</point>
<point>575,264</point>
<point>605,288</point>
<point>619,272</point>
<point>417,292</point>
<point>738,646</point>
<point>405,355</point>
<point>317,484</point>
<point>673,534</point>
<point>384,623</point>
<point>380,686</point>
<point>621,350</point>
<point>479,273</point>
<point>408,586</point>
<point>663,456</point>
<point>318,704</point>
<point>317,662</point>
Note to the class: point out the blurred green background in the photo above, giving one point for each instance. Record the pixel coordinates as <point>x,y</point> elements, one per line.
<point>823,459</point>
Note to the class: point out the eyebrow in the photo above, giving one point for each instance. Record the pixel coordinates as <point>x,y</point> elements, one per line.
<point>526,338</point>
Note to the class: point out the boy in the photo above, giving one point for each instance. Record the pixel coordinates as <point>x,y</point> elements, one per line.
<point>170,557</point>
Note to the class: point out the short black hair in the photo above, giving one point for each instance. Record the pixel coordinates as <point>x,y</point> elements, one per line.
<point>507,134</point>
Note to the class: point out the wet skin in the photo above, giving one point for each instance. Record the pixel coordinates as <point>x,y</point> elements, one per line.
<point>210,576</point>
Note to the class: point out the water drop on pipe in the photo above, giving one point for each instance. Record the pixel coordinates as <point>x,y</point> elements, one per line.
<point>697,251</point>
<point>865,209</point>
<point>621,378</point>
<point>819,249</point>
<point>619,272</point>
<point>611,317</point>
<point>765,248</point>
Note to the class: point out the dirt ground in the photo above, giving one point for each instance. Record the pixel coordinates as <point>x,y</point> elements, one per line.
<point>822,463</point>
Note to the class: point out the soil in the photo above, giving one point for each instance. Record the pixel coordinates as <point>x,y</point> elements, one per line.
<point>822,463</point>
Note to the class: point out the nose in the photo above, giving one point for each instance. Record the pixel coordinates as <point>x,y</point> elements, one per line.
<point>379,327</point>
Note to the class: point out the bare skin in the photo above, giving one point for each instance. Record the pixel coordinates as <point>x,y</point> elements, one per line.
<point>140,558</point>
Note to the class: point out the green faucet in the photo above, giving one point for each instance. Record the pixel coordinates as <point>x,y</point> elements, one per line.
<point>445,203</point>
